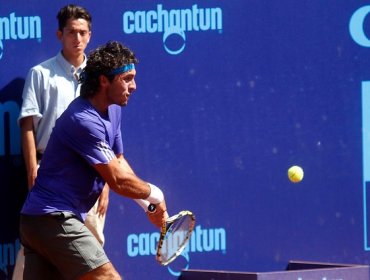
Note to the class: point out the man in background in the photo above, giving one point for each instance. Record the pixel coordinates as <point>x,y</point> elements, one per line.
<point>49,88</point>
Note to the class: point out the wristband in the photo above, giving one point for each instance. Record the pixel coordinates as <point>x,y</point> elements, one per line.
<point>143,203</point>
<point>146,205</point>
<point>156,195</point>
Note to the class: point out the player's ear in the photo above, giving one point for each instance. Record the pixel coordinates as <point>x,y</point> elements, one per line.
<point>103,80</point>
<point>59,34</point>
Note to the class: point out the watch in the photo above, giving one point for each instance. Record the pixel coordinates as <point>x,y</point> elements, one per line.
<point>152,208</point>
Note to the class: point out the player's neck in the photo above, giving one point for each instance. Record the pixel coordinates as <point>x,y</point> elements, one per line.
<point>99,106</point>
<point>75,60</point>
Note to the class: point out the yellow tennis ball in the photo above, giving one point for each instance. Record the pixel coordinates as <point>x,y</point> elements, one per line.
<point>295,174</point>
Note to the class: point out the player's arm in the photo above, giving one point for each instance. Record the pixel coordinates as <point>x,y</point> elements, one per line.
<point>104,196</point>
<point>162,208</point>
<point>121,179</point>
<point>29,149</point>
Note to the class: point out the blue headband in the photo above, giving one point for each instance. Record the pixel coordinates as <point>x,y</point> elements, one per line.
<point>122,69</point>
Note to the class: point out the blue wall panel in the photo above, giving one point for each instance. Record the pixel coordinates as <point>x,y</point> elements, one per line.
<point>223,108</point>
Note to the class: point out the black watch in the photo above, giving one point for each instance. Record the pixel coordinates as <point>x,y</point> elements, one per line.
<point>152,208</point>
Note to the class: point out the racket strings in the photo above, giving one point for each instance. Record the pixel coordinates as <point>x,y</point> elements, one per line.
<point>175,240</point>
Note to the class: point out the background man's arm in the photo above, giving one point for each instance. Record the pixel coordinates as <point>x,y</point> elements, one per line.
<point>29,149</point>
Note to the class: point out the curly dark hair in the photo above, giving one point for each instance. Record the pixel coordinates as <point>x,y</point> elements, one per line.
<point>72,12</point>
<point>102,61</point>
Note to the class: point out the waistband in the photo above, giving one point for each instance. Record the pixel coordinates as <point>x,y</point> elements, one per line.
<point>60,215</point>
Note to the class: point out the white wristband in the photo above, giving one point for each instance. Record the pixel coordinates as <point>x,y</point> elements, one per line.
<point>143,203</point>
<point>156,195</point>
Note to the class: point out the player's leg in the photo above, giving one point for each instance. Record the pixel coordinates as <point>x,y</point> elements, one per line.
<point>104,272</point>
<point>65,242</point>
<point>36,267</point>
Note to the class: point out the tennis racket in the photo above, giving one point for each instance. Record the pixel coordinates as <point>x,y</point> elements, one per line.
<point>175,234</point>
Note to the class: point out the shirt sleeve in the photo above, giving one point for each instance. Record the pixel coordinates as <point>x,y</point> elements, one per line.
<point>93,145</point>
<point>31,102</point>
<point>86,135</point>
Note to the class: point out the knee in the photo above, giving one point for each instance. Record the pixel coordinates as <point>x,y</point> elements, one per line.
<point>114,275</point>
<point>106,271</point>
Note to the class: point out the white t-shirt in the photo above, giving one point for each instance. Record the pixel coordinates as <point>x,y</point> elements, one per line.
<point>49,88</point>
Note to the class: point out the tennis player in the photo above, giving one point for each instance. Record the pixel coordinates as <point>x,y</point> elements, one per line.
<point>84,152</point>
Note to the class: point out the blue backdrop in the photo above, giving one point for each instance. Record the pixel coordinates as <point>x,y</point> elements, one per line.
<point>230,95</point>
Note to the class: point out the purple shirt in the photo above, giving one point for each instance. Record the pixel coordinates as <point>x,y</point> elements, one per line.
<point>66,179</point>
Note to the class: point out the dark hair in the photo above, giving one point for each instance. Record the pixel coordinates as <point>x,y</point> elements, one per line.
<point>102,61</point>
<point>72,12</point>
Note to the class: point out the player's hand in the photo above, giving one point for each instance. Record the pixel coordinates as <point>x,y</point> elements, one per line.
<point>103,201</point>
<point>159,216</point>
